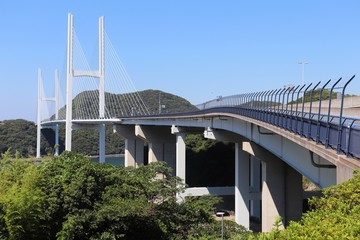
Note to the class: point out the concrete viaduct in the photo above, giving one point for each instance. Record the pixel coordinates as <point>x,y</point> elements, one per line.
<point>269,160</point>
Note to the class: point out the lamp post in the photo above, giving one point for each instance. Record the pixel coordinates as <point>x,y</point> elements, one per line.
<point>303,71</point>
<point>221,214</point>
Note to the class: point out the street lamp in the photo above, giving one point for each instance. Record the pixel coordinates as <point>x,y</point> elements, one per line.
<point>221,214</point>
<point>302,71</point>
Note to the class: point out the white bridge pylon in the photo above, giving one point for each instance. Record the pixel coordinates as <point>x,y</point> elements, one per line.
<point>71,74</point>
<point>103,102</point>
<point>56,100</point>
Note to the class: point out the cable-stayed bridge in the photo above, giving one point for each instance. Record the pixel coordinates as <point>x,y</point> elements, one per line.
<point>81,96</point>
<point>280,135</point>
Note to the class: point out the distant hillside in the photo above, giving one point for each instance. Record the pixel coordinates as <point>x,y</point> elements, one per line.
<point>172,103</point>
<point>20,135</point>
<point>86,104</point>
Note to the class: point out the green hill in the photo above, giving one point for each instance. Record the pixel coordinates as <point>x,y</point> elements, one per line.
<point>20,135</point>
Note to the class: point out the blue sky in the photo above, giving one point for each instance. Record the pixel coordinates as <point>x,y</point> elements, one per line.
<point>196,49</point>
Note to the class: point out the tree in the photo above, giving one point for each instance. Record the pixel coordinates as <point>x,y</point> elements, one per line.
<point>71,197</point>
<point>21,201</point>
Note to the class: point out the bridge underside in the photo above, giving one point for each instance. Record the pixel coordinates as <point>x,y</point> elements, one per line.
<point>269,161</point>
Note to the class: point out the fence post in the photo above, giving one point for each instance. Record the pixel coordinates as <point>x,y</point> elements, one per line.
<point>274,109</point>
<point>302,111</point>
<point>311,94</point>
<point>287,104</point>
<point>278,109</point>
<point>267,105</point>
<point>328,115</point>
<point>319,112</point>
<point>340,128</point>
<point>297,105</point>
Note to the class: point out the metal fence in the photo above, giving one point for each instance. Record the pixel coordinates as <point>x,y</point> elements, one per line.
<point>285,108</point>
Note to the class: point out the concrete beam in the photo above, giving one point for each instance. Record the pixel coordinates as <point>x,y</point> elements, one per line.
<point>200,191</point>
<point>345,168</point>
<point>222,135</point>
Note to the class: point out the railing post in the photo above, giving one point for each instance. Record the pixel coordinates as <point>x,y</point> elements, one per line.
<point>319,112</point>
<point>340,128</point>
<point>293,89</point>
<point>291,107</point>
<point>282,105</point>
<point>278,107</point>
<point>302,110</point>
<point>297,105</point>
<point>267,105</point>
<point>252,103</point>
<point>263,103</point>
<point>328,115</point>
<point>274,111</point>
<point>349,139</point>
<point>311,94</point>
<point>256,103</point>
<point>270,105</point>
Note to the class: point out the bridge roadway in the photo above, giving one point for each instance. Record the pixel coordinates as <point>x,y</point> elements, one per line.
<point>281,148</point>
<point>273,150</point>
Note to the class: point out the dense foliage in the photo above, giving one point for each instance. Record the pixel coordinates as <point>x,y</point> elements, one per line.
<point>19,135</point>
<point>71,197</point>
<point>335,215</point>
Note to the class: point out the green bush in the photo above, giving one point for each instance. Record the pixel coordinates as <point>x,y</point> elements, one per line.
<point>70,197</point>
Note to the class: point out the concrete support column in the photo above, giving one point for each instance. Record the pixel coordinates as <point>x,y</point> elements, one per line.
<point>273,193</point>
<point>293,195</point>
<point>161,143</point>
<point>180,157</point>
<point>56,140</point>
<point>134,152</point>
<point>102,143</point>
<point>134,147</point>
<point>281,188</point>
<point>242,195</point>
<point>255,187</point>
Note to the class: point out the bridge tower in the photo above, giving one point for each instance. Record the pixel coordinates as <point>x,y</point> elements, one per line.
<point>39,110</point>
<point>71,74</point>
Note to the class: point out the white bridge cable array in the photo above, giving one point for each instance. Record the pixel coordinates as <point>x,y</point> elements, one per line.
<point>50,101</point>
<point>130,102</point>
<point>121,96</point>
<point>85,89</point>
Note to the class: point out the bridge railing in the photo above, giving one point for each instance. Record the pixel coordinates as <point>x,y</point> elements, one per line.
<point>294,109</point>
